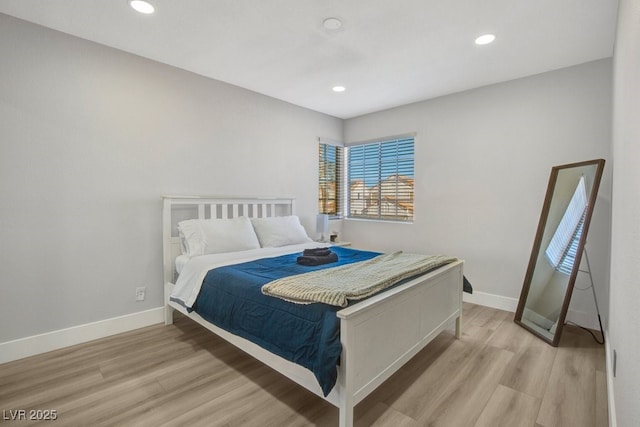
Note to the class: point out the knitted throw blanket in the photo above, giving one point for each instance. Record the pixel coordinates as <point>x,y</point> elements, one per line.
<point>336,286</point>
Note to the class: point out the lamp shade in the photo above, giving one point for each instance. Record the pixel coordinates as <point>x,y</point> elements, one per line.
<point>322,223</point>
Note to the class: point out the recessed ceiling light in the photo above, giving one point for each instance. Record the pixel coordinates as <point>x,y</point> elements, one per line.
<point>339,88</point>
<point>332,24</point>
<point>142,6</point>
<point>485,39</point>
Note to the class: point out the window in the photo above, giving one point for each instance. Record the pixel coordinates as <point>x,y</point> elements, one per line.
<point>381,180</point>
<point>563,248</point>
<point>330,179</point>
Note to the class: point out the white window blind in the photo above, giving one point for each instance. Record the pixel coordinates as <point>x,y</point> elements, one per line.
<point>381,180</point>
<point>562,249</point>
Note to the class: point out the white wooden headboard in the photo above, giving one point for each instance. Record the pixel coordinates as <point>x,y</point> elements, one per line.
<point>180,208</point>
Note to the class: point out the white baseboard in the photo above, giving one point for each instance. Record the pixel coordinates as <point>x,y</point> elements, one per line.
<point>491,300</point>
<point>582,318</point>
<point>37,344</point>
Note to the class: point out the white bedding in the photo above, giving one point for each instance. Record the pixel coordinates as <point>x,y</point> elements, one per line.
<point>181,260</point>
<point>337,286</point>
<point>193,270</point>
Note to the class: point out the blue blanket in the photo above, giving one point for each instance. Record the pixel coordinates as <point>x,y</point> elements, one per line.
<point>308,335</point>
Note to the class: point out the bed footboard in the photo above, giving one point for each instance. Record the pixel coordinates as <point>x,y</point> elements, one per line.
<point>381,334</point>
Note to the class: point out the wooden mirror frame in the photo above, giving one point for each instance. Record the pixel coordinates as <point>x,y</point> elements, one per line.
<point>591,199</point>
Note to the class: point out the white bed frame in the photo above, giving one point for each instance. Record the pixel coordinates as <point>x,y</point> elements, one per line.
<point>378,335</point>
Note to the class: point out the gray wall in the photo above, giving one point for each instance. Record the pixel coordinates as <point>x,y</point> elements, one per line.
<point>625,243</point>
<point>90,137</point>
<point>483,159</point>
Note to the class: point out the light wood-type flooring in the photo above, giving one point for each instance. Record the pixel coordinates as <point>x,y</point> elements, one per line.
<point>497,374</point>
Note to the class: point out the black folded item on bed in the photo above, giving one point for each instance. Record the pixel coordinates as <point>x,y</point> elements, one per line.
<point>317,256</point>
<point>315,251</point>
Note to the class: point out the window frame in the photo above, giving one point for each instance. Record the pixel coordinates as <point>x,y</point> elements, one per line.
<point>324,183</point>
<point>382,167</point>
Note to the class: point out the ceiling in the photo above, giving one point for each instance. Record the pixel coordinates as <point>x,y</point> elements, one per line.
<point>387,52</point>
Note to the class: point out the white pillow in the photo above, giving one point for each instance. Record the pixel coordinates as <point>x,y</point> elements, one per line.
<point>279,231</point>
<point>213,236</point>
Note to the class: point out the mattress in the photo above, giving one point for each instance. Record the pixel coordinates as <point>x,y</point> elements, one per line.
<point>307,334</point>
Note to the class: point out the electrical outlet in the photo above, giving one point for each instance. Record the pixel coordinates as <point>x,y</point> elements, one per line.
<point>140,293</point>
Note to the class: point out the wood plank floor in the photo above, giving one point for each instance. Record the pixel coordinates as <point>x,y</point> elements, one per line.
<point>496,375</point>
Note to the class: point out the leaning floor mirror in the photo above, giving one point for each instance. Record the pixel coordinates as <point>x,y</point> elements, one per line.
<point>558,247</point>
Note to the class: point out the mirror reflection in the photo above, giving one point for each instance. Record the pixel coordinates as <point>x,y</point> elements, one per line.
<point>558,248</point>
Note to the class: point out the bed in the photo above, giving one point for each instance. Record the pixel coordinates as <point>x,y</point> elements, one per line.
<point>376,335</point>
